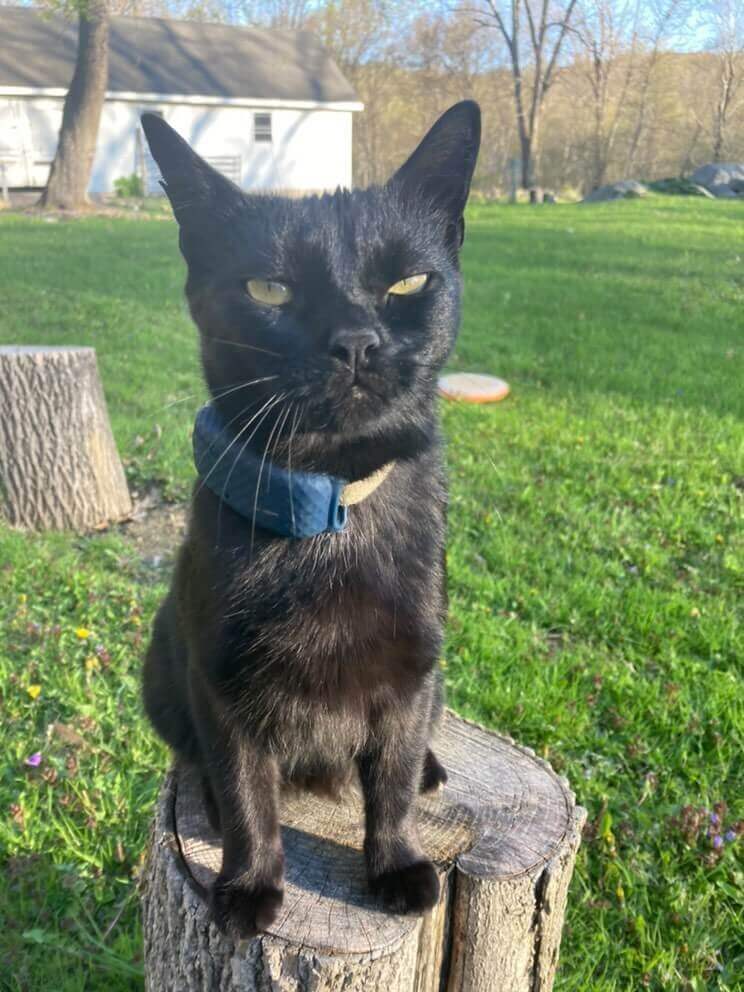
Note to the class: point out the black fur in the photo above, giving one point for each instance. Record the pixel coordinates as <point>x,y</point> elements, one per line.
<point>276,661</point>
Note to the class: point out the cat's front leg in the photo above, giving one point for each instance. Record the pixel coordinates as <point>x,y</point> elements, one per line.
<point>390,771</point>
<point>244,782</point>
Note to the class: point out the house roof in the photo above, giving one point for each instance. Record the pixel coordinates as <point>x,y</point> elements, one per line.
<point>187,58</point>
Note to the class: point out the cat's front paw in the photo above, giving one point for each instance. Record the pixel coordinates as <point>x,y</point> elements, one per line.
<point>412,889</point>
<point>240,910</point>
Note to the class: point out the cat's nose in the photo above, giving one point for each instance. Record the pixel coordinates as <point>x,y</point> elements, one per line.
<point>353,348</point>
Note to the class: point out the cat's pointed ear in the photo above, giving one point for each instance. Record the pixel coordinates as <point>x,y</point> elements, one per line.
<point>188,180</point>
<point>441,168</point>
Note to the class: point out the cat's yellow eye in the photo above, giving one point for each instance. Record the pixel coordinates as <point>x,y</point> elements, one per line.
<point>409,286</point>
<point>273,294</point>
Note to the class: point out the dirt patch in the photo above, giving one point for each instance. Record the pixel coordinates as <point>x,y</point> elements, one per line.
<point>155,532</point>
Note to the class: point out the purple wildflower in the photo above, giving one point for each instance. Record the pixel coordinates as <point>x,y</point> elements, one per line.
<point>729,836</point>
<point>33,760</point>
<point>715,819</point>
<point>717,842</point>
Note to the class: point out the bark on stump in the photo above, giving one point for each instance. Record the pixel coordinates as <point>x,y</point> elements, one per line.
<point>59,467</point>
<point>504,834</point>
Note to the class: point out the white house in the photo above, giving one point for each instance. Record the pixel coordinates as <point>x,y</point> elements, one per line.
<point>268,108</point>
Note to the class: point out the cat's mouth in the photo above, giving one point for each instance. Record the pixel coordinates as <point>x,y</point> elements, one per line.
<point>355,399</point>
<point>361,383</point>
<point>364,387</point>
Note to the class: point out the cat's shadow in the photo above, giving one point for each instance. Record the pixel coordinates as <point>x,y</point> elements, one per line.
<point>322,842</point>
<point>329,869</point>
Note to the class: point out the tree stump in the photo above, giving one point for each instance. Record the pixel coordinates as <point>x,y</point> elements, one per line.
<point>504,834</point>
<point>59,467</point>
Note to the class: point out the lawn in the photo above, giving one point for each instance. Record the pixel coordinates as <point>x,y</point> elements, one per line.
<point>595,558</point>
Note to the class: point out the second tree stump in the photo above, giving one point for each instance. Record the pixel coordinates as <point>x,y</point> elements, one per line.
<point>59,467</point>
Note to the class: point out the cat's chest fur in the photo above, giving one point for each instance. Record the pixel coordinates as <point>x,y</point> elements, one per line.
<point>311,635</point>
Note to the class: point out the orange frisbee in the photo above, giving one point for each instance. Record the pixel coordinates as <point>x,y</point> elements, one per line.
<point>472,387</point>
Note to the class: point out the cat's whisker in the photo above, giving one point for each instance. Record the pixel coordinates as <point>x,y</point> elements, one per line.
<point>243,385</point>
<point>250,347</point>
<point>237,457</point>
<point>258,485</point>
<point>181,399</point>
<point>217,394</point>
<point>289,463</point>
<point>241,413</point>
<point>276,442</point>
<point>242,430</point>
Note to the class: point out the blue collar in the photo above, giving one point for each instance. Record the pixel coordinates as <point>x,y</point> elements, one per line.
<point>296,504</point>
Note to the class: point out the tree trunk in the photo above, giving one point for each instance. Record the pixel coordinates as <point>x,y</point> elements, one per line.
<point>525,148</point>
<point>70,173</point>
<point>503,833</point>
<point>59,468</point>
<point>718,144</point>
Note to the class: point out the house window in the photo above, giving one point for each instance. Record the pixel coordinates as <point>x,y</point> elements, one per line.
<point>262,127</point>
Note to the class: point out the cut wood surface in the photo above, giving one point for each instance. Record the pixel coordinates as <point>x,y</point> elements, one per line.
<point>504,833</point>
<point>59,467</point>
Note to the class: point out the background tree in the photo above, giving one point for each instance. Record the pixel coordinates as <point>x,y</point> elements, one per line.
<point>70,172</point>
<point>660,20</point>
<point>534,32</point>
<point>361,37</point>
<point>617,45</point>
<point>727,29</point>
<point>605,39</point>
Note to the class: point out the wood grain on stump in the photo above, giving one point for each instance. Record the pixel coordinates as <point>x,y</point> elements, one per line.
<point>504,834</point>
<point>59,467</point>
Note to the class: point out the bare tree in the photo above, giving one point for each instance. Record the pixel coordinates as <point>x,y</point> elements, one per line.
<point>70,172</point>
<point>355,31</point>
<point>605,36</point>
<point>727,23</point>
<point>534,32</point>
<point>618,45</point>
<point>361,36</point>
<point>661,19</point>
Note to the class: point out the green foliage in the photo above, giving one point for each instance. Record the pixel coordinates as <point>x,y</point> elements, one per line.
<point>129,186</point>
<point>595,559</point>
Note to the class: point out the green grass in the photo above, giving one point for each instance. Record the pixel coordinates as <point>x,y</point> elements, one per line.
<point>595,557</point>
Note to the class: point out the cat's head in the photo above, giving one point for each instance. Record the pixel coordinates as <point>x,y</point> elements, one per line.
<point>344,306</point>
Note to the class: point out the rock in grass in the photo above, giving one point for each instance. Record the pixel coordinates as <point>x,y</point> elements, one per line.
<point>716,174</point>
<point>626,189</point>
<point>722,191</point>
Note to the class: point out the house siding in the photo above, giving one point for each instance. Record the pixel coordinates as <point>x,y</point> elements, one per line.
<point>310,150</point>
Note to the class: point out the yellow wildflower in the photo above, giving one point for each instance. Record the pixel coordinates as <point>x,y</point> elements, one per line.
<point>34,691</point>
<point>82,632</point>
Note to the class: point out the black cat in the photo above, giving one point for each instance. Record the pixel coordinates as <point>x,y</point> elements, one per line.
<point>281,659</point>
